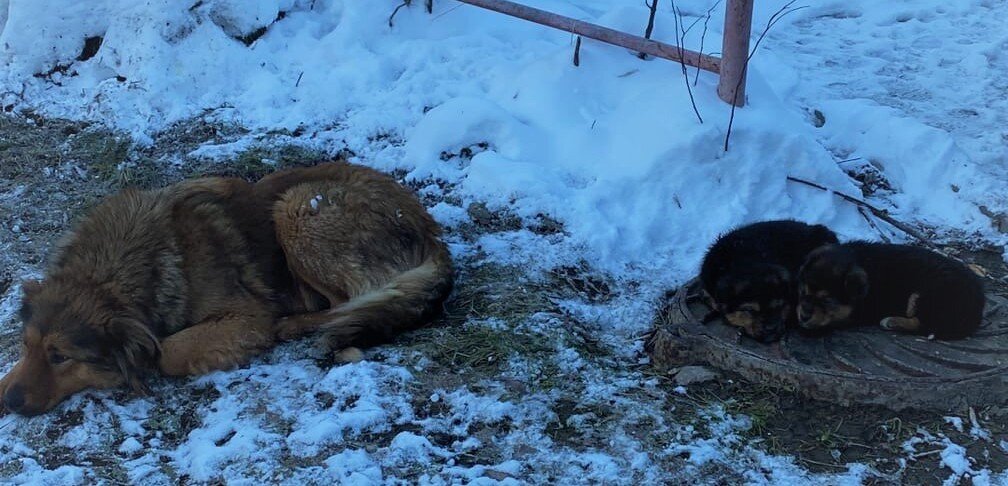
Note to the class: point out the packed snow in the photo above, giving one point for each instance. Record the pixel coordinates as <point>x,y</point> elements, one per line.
<point>493,108</point>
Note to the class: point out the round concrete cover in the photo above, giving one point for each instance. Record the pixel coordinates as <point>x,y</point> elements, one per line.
<point>863,365</point>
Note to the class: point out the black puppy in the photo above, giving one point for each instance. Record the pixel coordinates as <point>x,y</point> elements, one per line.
<point>749,274</point>
<point>897,287</point>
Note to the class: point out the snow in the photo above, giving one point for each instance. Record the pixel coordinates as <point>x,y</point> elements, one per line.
<point>493,108</point>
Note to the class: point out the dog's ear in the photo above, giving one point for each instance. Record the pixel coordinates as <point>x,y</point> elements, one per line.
<point>135,348</point>
<point>856,283</point>
<point>822,233</point>
<point>817,252</point>
<point>30,288</point>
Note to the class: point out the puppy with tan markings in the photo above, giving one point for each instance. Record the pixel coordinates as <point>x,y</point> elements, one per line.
<point>206,274</point>
<point>749,274</point>
<point>898,287</point>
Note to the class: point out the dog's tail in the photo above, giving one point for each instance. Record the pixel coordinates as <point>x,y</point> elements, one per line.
<point>406,302</point>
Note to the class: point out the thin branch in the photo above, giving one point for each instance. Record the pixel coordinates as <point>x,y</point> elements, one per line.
<point>577,51</point>
<point>776,17</point>
<point>394,12</point>
<point>871,222</point>
<point>430,6</point>
<point>703,35</point>
<point>650,23</point>
<point>878,213</point>
<point>446,12</point>
<point>679,45</point>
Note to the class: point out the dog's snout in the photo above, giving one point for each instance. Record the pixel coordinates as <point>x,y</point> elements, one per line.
<point>14,398</point>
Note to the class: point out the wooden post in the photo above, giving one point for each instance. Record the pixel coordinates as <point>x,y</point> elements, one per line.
<point>605,34</point>
<point>735,51</point>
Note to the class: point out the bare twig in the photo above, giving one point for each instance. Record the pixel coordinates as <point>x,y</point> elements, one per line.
<point>776,17</point>
<point>577,51</point>
<point>926,453</point>
<point>878,213</point>
<point>871,222</point>
<point>682,64</point>
<point>446,12</point>
<point>405,3</point>
<point>703,35</point>
<point>650,23</point>
<point>430,6</point>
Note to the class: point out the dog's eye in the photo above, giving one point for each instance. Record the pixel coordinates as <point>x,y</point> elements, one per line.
<point>57,358</point>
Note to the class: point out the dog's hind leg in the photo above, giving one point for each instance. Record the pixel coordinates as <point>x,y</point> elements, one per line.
<point>341,242</point>
<point>216,344</point>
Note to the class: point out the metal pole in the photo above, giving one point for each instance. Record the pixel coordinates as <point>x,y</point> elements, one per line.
<point>604,34</point>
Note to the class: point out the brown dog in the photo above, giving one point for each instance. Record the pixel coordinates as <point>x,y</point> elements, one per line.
<point>206,274</point>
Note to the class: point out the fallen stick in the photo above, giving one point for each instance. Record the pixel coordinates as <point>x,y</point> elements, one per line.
<point>878,213</point>
<point>599,33</point>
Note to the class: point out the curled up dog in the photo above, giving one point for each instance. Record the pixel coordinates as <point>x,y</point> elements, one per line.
<point>206,274</point>
<point>898,287</point>
<point>749,274</point>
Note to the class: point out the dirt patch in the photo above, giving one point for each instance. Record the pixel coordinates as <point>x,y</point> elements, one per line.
<point>825,437</point>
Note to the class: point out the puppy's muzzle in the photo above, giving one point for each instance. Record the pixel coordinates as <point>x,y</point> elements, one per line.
<point>805,313</point>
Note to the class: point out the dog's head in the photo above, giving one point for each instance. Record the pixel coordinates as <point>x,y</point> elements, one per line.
<point>755,299</point>
<point>71,342</point>
<point>831,285</point>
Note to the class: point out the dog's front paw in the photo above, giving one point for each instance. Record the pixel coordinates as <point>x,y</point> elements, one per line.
<point>907,324</point>
<point>912,305</point>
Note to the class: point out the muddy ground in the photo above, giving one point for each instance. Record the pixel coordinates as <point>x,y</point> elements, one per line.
<point>52,170</point>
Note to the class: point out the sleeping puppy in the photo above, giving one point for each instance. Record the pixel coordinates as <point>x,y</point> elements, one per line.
<point>750,272</point>
<point>898,287</point>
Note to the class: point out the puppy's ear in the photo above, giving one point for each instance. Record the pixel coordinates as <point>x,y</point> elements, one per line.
<point>817,253</point>
<point>856,283</point>
<point>822,233</point>
<point>136,350</point>
<point>30,289</point>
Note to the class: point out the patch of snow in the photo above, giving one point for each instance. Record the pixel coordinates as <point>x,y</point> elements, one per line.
<point>955,422</point>
<point>130,446</point>
<point>354,466</point>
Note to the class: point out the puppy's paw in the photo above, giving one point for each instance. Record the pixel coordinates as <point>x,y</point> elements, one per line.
<point>908,324</point>
<point>912,305</point>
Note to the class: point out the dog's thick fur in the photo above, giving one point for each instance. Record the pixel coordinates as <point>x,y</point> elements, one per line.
<point>205,274</point>
<point>749,274</point>
<point>897,287</point>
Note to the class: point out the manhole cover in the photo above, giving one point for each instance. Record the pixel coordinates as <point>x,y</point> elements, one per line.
<point>851,366</point>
